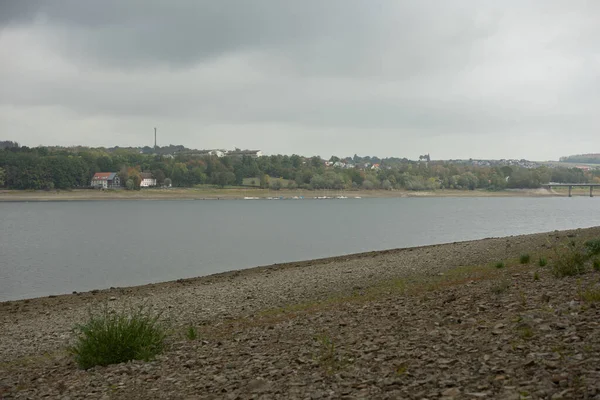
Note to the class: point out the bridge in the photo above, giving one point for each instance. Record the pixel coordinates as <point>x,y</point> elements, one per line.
<point>572,185</point>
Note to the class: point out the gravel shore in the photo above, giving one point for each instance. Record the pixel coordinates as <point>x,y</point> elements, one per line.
<point>410,323</point>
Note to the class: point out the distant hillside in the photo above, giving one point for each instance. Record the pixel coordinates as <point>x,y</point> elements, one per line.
<point>582,158</point>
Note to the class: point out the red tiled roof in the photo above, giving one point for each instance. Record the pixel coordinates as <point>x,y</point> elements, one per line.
<point>103,176</point>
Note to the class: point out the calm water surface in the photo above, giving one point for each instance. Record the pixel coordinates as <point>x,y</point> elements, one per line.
<point>59,247</point>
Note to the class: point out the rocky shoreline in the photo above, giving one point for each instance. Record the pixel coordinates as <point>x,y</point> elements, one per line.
<point>424,322</point>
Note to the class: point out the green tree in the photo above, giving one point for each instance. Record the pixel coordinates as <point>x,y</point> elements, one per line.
<point>167,182</point>
<point>129,184</point>
<point>275,184</point>
<point>506,170</point>
<point>264,181</point>
<point>159,175</point>
<point>179,175</point>
<point>225,178</point>
<point>2,177</point>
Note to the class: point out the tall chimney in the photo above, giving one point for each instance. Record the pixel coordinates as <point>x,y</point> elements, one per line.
<point>154,138</point>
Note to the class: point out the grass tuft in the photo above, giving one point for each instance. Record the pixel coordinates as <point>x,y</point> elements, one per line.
<point>525,259</point>
<point>525,332</point>
<point>191,333</point>
<point>542,262</point>
<point>116,337</point>
<point>499,265</point>
<point>596,264</point>
<point>591,295</point>
<point>500,287</point>
<point>328,356</point>
<point>536,276</point>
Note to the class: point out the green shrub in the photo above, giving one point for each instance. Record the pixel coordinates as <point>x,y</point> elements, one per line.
<point>499,265</point>
<point>569,262</point>
<point>593,247</point>
<point>542,262</point>
<point>525,258</point>
<point>536,276</point>
<point>116,337</point>
<point>596,264</point>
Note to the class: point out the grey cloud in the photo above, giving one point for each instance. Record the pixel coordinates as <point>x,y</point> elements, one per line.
<point>411,71</point>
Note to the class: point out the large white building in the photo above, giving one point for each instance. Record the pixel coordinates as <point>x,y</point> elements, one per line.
<point>147,180</point>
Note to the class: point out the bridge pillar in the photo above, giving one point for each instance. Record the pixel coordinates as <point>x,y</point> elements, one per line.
<point>570,188</point>
<point>591,188</point>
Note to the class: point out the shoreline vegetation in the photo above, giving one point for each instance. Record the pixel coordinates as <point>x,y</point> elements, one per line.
<point>512,317</point>
<point>209,193</point>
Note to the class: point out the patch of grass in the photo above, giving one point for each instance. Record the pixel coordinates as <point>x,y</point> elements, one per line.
<point>401,370</point>
<point>525,259</point>
<point>542,262</point>
<point>569,261</point>
<point>596,264</point>
<point>191,333</point>
<point>116,337</point>
<point>525,332</point>
<point>328,356</point>
<point>500,287</point>
<point>500,265</point>
<point>536,276</point>
<point>593,247</point>
<point>591,295</point>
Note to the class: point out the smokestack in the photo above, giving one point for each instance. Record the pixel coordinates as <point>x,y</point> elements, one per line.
<point>154,138</point>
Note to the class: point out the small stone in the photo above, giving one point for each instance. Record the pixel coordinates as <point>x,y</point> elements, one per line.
<point>112,298</point>
<point>451,392</point>
<point>529,363</point>
<point>257,385</point>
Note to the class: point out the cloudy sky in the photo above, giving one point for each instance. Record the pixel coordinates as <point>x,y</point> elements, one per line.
<point>455,78</point>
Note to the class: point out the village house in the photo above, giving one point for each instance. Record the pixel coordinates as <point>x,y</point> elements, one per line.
<point>106,180</point>
<point>147,180</point>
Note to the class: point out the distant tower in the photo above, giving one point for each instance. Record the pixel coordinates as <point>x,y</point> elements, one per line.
<point>154,139</point>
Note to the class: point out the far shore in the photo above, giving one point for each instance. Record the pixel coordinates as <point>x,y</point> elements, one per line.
<point>241,193</point>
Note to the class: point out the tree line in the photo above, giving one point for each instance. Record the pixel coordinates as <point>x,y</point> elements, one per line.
<point>68,168</point>
<point>582,158</point>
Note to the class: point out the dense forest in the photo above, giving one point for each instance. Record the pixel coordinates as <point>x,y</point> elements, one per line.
<point>582,158</point>
<point>67,168</point>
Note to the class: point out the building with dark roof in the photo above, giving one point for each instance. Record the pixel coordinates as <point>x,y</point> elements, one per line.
<point>106,180</point>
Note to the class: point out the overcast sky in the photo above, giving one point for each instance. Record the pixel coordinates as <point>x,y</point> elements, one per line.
<point>456,79</point>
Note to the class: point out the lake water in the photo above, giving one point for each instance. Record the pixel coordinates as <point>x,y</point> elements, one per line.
<point>59,247</point>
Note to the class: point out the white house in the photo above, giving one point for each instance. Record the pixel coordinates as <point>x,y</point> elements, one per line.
<point>147,180</point>
<point>218,153</point>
